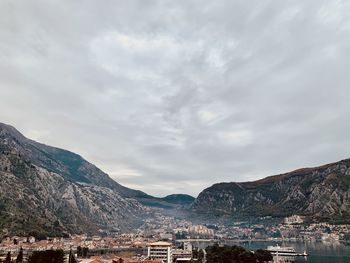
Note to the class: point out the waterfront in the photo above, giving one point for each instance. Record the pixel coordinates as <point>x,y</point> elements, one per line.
<point>319,252</point>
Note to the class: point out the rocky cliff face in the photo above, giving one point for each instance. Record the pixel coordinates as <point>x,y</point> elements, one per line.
<point>70,165</point>
<point>321,193</point>
<point>45,190</point>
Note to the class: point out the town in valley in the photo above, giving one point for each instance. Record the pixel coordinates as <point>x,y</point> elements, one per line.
<point>168,239</point>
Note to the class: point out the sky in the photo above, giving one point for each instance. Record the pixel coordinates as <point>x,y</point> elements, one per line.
<point>174,96</point>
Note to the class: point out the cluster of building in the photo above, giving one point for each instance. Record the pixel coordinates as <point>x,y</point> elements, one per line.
<point>294,219</point>
<point>325,232</point>
<point>169,239</point>
<point>118,259</point>
<point>200,231</point>
<point>168,253</point>
<point>154,252</point>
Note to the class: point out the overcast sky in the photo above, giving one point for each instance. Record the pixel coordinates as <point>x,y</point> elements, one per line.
<point>173,96</point>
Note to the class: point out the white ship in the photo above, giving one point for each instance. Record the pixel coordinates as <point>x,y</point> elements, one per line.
<point>284,251</point>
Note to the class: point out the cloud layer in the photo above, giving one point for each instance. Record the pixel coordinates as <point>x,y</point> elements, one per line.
<point>172,96</point>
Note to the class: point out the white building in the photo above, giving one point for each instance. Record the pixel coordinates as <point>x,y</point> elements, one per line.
<point>181,254</point>
<point>160,250</point>
<point>294,219</point>
<point>200,231</point>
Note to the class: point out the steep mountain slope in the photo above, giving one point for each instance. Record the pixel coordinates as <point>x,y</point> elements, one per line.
<point>46,190</point>
<point>171,202</point>
<point>321,193</point>
<point>179,199</point>
<point>70,165</point>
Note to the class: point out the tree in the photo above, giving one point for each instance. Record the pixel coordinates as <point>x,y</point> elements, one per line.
<point>8,257</point>
<point>347,237</point>
<point>79,252</point>
<point>72,258</point>
<point>85,252</point>
<point>197,255</point>
<point>227,254</point>
<point>48,256</point>
<point>20,256</point>
<point>263,255</point>
<point>235,254</point>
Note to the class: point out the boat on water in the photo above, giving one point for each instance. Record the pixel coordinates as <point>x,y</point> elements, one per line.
<point>284,251</point>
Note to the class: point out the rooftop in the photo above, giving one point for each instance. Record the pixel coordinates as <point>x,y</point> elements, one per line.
<point>160,244</point>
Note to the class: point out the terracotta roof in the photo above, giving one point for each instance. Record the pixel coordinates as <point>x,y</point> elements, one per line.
<point>97,260</point>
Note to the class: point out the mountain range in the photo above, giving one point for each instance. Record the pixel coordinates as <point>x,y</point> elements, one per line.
<point>320,194</point>
<point>49,191</point>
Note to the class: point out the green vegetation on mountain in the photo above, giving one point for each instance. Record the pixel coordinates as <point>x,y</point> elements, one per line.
<point>181,199</point>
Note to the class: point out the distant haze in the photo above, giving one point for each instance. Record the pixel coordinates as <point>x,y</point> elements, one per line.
<point>173,96</point>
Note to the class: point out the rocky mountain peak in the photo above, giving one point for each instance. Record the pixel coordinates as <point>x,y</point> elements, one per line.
<point>320,193</point>
<point>47,190</point>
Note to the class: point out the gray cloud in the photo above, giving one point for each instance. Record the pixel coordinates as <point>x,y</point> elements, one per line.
<point>172,96</point>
